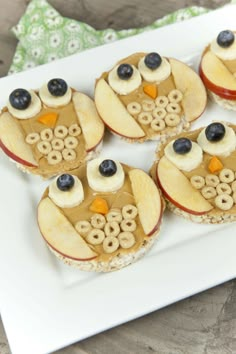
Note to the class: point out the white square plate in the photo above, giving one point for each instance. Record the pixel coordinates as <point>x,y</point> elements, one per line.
<point>46,305</point>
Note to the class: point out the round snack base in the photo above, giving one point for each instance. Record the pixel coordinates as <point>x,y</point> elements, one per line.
<point>217,69</point>
<point>215,214</point>
<point>201,219</point>
<point>147,115</point>
<point>222,102</point>
<point>52,134</point>
<point>101,222</point>
<point>116,263</point>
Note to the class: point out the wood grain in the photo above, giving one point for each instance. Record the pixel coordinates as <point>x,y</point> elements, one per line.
<point>204,323</point>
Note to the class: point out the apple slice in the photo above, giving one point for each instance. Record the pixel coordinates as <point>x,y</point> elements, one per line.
<point>60,234</point>
<point>114,114</point>
<point>13,143</point>
<point>194,93</point>
<point>216,76</point>
<point>89,120</point>
<point>148,200</point>
<point>177,189</point>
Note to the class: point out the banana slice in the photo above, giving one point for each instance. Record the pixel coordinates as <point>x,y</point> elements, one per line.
<point>185,162</point>
<point>224,53</point>
<point>67,198</point>
<point>124,87</point>
<point>100,183</point>
<point>219,148</point>
<point>33,109</point>
<point>156,75</point>
<point>54,101</point>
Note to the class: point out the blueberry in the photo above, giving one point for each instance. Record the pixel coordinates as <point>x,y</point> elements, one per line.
<point>107,168</point>
<point>125,71</point>
<point>20,99</point>
<point>57,87</point>
<point>215,132</point>
<point>152,60</point>
<point>65,182</point>
<point>182,146</point>
<point>225,38</point>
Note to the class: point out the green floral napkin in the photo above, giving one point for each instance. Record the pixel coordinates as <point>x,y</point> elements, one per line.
<point>44,35</point>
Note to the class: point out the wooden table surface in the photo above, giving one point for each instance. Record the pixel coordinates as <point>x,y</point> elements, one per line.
<point>204,323</point>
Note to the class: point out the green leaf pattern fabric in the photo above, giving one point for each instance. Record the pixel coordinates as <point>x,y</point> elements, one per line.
<point>44,35</point>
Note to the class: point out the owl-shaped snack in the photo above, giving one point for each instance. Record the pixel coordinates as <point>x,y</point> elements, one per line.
<point>103,217</point>
<point>149,97</point>
<point>51,130</point>
<point>218,69</point>
<point>196,172</point>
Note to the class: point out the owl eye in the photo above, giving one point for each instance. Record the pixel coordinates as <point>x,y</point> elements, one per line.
<point>20,99</point>
<point>215,132</point>
<point>57,87</point>
<point>66,191</point>
<point>124,79</point>
<point>154,68</point>
<point>153,61</point>
<point>107,168</point>
<point>182,146</point>
<point>217,139</point>
<point>225,39</point>
<point>105,175</point>
<point>224,46</point>
<point>55,93</point>
<point>23,104</point>
<point>125,71</point>
<point>184,154</point>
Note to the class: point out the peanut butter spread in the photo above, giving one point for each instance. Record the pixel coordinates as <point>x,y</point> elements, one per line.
<point>202,169</point>
<point>138,95</point>
<point>117,199</point>
<point>66,116</point>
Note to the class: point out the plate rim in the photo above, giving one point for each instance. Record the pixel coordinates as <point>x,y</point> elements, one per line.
<point>6,300</point>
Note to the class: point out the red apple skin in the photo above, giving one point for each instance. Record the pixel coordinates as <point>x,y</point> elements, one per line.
<point>69,257</point>
<point>62,254</point>
<point>174,202</point>
<point>124,136</point>
<point>159,221</point>
<point>15,157</point>
<point>94,147</point>
<point>220,91</point>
